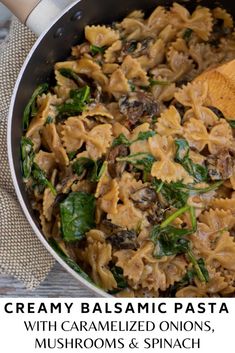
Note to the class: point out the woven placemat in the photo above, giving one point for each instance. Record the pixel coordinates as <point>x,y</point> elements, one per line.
<point>21,253</point>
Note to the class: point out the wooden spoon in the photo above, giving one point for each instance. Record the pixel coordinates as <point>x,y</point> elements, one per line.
<point>221,88</point>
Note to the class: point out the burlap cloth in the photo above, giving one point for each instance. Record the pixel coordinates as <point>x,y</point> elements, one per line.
<point>21,253</point>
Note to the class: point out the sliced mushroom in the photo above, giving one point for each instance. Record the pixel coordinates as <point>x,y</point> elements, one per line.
<point>124,239</point>
<point>156,214</point>
<point>137,105</point>
<point>144,198</point>
<point>219,31</point>
<point>220,167</point>
<point>108,227</point>
<point>135,48</point>
<point>117,168</point>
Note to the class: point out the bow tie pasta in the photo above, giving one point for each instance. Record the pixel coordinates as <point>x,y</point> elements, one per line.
<point>129,169</point>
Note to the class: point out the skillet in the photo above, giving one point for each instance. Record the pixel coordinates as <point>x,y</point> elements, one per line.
<point>54,45</point>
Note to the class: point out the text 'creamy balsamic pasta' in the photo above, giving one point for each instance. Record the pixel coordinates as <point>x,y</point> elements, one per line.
<point>128,166</point>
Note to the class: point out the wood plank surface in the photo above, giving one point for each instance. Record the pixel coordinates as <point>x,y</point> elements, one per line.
<point>59,283</point>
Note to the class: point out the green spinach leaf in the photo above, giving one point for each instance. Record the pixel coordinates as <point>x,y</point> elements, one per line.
<point>170,240</point>
<point>77,213</point>
<point>204,271</point>
<point>187,34</point>
<point>199,172</point>
<point>70,262</point>
<point>153,82</point>
<point>27,155</point>
<point>199,267</point>
<point>177,194</point>
<point>72,76</point>
<point>40,177</point>
<point>144,135</point>
<point>132,86</point>
<point>95,169</point>
<point>232,123</point>
<point>31,104</point>
<point>174,196</point>
<point>142,161</point>
<point>72,155</point>
<point>97,50</point>
<point>132,46</point>
<point>82,164</point>
<point>188,278</point>
<point>118,275</point>
<point>49,120</point>
<point>121,140</point>
<point>79,98</point>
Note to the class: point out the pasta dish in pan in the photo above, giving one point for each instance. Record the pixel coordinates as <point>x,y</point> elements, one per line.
<point>130,169</point>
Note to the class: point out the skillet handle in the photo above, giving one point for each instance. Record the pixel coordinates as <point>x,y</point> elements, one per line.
<point>21,9</point>
<point>37,14</point>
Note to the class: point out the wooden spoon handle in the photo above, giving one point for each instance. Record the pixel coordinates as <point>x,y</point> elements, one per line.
<point>221,88</point>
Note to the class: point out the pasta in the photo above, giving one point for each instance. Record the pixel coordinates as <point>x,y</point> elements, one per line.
<point>128,166</point>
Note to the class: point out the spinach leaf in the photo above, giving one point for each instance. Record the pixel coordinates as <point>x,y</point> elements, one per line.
<point>188,278</point>
<point>72,155</point>
<point>121,140</point>
<point>187,34</point>
<point>176,194</point>
<point>204,271</point>
<point>97,50</point>
<point>132,86</point>
<point>70,262</point>
<point>142,161</point>
<point>132,46</point>
<point>184,282</point>
<point>232,123</point>
<point>118,275</point>
<point>77,102</point>
<point>34,109</point>
<point>49,120</point>
<point>144,135</point>
<point>199,267</point>
<point>40,177</point>
<point>170,240</point>
<point>31,104</point>
<point>199,172</point>
<point>195,190</point>
<point>82,164</point>
<point>27,155</point>
<point>95,169</point>
<point>77,213</point>
<point>154,119</point>
<point>153,82</point>
<point>72,76</point>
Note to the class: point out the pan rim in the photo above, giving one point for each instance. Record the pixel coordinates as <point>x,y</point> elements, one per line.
<point>30,220</point>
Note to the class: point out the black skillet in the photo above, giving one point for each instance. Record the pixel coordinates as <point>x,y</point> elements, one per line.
<point>55,45</point>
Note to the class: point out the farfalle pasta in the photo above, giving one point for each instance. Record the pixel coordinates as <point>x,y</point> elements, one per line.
<point>128,166</point>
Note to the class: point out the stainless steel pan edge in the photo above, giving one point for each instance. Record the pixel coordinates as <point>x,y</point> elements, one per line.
<point>21,93</point>
<point>31,221</point>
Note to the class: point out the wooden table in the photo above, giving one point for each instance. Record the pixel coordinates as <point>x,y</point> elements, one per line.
<point>59,283</point>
